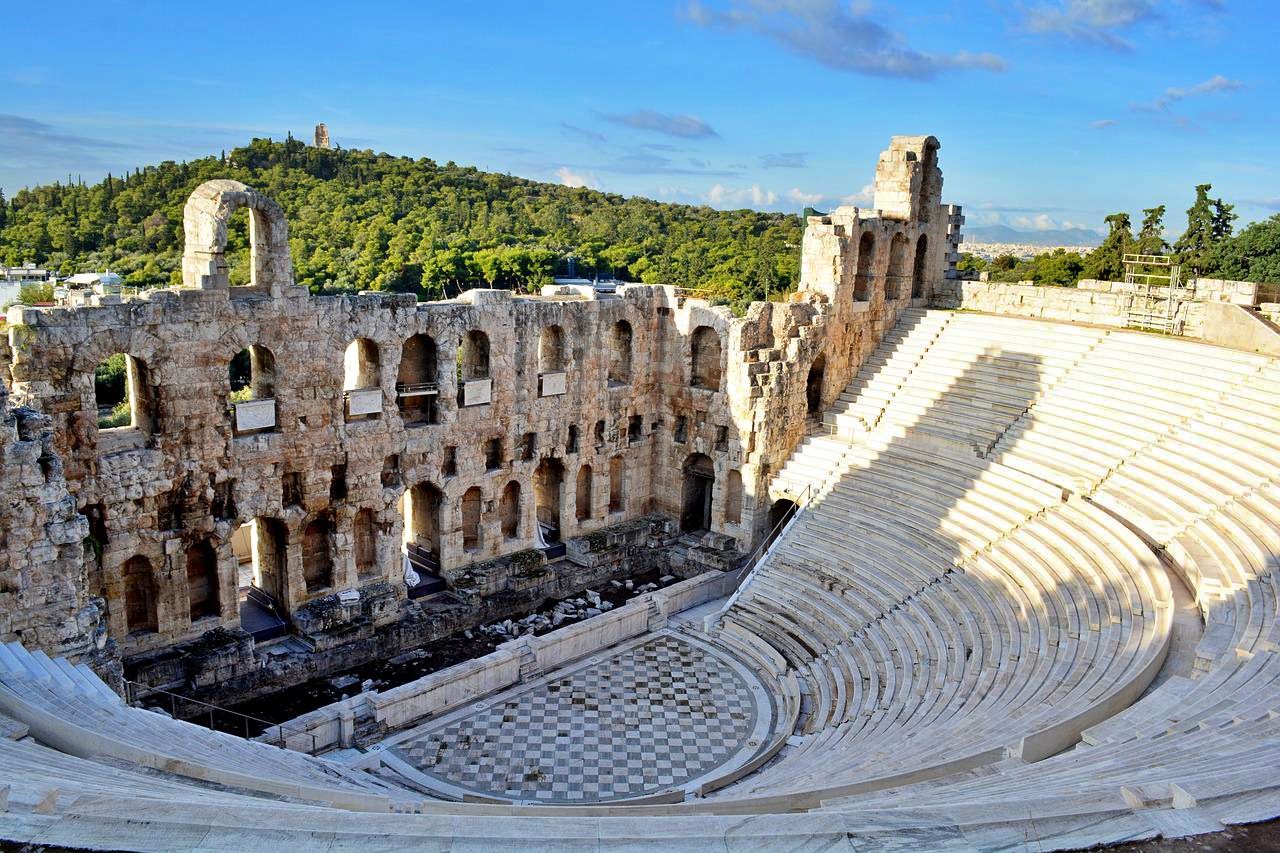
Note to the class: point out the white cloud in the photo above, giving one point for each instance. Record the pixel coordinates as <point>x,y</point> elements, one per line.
<point>1091,20</point>
<point>1043,222</point>
<point>679,126</point>
<point>803,198</point>
<point>836,34</point>
<point>752,196</point>
<point>1103,123</point>
<point>1216,84</point>
<point>570,178</point>
<point>862,197</point>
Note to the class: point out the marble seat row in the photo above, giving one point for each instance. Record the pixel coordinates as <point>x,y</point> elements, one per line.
<point>956,654</point>
<point>69,707</point>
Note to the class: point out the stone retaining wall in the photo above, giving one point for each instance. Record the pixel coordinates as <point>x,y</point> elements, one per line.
<point>1101,303</point>
<point>383,711</point>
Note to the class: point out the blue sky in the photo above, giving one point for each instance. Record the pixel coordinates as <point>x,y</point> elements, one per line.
<point>1050,112</point>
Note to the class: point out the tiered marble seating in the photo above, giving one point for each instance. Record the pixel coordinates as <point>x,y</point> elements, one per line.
<point>1176,439</point>
<point>70,708</point>
<point>963,384</point>
<point>957,599</point>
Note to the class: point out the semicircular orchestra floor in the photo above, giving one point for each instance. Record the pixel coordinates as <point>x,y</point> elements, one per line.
<point>658,714</point>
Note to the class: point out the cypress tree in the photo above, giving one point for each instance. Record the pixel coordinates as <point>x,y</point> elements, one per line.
<point>1106,263</point>
<point>1195,244</point>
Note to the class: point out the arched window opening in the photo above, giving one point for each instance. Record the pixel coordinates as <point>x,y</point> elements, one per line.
<point>239,252</point>
<point>699,475</point>
<point>362,379</point>
<point>418,381</point>
<point>733,498</point>
<point>121,393</point>
<point>473,356</point>
<point>547,481</point>
<point>897,276</point>
<point>202,581</point>
<point>582,496</point>
<point>364,537</point>
<point>705,358</point>
<point>929,189</point>
<point>919,269</point>
<point>866,262</point>
<point>423,526</point>
<point>813,386</point>
<point>317,560</point>
<point>471,519</point>
<point>551,357</point>
<point>253,387</point>
<point>140,596</point>
<point>552,362</point>
<point>617,485</point>
<point>509,511</point>
<point>474,384</point>
<point>620,354</point>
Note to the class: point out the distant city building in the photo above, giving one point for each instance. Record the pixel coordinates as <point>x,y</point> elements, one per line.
<point>1021,251</point>
<point>100,281</point>
<point>322,136</point>
<point>25,274</point>
<point>599,285</point>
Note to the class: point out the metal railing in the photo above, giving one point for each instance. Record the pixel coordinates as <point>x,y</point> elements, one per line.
<point>410,388</point>
<point>135,692</point>
<point>683,293</point>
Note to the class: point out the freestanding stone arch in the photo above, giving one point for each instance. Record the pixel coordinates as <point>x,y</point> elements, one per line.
<point>204,223</point>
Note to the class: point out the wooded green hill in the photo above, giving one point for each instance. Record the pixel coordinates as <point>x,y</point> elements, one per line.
<point>365,221</point>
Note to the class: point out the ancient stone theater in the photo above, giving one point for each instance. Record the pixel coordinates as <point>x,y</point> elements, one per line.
<point>900,561</point>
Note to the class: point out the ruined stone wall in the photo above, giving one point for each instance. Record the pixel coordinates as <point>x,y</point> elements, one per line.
<point>44,600</point>
<point>705,393</point>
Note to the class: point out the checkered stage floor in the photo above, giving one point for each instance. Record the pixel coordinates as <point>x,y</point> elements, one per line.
<point>647,719</point>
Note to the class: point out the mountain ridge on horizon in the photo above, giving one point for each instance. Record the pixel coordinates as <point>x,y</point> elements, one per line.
<point>1048,237</point>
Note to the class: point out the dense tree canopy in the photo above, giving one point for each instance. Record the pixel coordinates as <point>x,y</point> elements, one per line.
<point>1252,255</point>
<point>360,220</point>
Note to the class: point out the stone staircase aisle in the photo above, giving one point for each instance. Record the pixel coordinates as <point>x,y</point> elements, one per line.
<point>861,405</point>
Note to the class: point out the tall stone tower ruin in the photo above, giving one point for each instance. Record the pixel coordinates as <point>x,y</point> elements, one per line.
<point>322,136</point>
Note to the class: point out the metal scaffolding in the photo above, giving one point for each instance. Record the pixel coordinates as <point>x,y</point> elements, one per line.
<point>1157,292</point>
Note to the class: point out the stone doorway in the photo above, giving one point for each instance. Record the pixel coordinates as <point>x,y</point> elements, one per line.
<point>699,484</point>
<point>548,480</point>
<point>813,387</point>
<point>422,524</point>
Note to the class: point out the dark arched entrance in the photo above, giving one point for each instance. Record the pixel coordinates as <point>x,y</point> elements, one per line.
<point>699,483</point>
<point>813,386</point>
<point>779,513</point>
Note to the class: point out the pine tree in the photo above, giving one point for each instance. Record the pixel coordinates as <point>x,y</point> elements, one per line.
<point>1151,237</point>
<point>1223,215</point>
<point>1106,263</point>
<point>4,210</point>
<point>1196,243</point>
